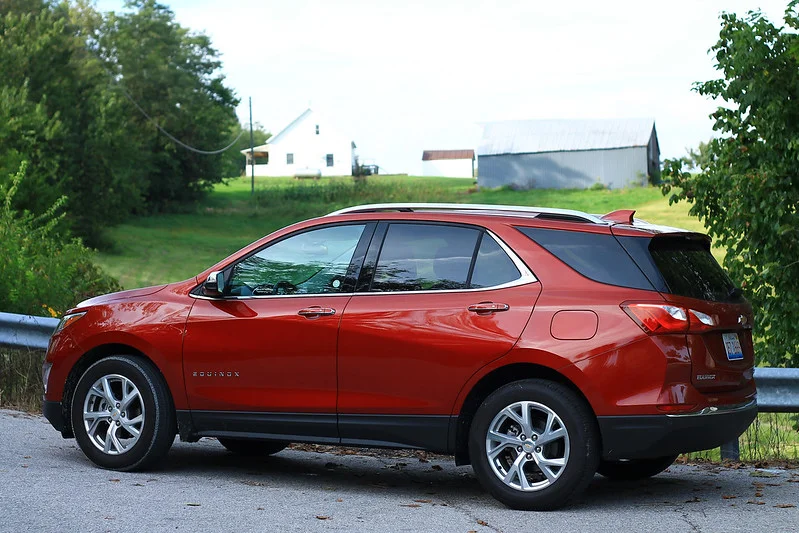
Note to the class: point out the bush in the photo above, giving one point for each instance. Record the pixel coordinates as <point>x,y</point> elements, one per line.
<point>41,272</point>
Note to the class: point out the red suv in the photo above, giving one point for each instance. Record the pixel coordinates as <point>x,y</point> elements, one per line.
<point>539,345</point>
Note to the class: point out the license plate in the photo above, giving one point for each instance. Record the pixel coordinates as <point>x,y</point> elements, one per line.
<point>732,346</point>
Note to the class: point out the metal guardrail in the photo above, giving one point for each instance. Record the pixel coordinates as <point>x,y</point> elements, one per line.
<point>26,331</point>
<point>777,388</point>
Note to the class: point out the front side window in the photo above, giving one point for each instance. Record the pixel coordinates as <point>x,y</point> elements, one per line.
<point>417,257</point>
<point>289,159</point>
<point>313,262</point>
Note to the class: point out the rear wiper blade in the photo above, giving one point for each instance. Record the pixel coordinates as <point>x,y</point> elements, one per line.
<point>735,292</point>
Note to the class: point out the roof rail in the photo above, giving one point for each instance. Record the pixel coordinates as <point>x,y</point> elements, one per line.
<point>485,208</point>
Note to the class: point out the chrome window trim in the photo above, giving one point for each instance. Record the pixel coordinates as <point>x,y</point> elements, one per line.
<point>526,277</point>
<point>270,296</point>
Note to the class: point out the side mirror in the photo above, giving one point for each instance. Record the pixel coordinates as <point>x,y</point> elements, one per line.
<point>215,284</point>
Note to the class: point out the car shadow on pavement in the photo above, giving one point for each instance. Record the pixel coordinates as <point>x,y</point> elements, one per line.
<point>402,476</point>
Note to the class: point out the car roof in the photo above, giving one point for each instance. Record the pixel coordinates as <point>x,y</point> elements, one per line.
<point>522,215</point>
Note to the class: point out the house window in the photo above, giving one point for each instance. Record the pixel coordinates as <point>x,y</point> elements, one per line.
<point>317,129</point>
<point>330,160</point>
<point>289,159</point>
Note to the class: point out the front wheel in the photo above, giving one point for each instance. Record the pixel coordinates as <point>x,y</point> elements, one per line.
<point>635,468</point>
<point>534,445</point>
<point>122,414</point>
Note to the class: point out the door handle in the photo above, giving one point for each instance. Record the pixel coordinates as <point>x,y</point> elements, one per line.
<point>485,308</point>
<point>316,311</point>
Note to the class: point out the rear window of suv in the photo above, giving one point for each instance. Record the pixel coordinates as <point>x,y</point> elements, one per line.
<point>678,264</point>
<point>689,269</point>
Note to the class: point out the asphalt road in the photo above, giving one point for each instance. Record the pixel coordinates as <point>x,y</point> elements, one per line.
<point>46,484</point>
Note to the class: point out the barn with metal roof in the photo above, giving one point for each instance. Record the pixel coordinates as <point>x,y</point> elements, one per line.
<point>568,154</point>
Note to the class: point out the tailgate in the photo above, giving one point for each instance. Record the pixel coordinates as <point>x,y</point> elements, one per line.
<point>722,358</point>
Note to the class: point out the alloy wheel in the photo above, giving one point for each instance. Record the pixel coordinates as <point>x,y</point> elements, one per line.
<point>113,414</point>
<point>527,446</point>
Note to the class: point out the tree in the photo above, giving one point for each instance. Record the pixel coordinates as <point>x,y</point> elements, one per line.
<point>74,90</point>
<point>59,113</point>
<point>748,191</point>
<point>172,75</point>
<point>697,158</point>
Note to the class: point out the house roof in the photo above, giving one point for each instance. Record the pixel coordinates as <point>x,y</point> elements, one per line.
<point>434,155</point>
<point>535,136</point>
<point>290,127</point>
<point>258,150</point>
<point>264,148</point>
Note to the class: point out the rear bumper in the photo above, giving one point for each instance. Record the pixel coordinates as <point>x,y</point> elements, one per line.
<point>640,437</point>
<point>54,413</point>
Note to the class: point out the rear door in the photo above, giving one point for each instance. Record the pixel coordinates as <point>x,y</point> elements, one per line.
<point>435,303</point>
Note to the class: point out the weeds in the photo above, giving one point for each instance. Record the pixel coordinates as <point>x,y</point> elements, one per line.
<point>21,379</point>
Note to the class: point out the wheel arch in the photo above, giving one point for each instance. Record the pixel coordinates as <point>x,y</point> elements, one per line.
<point>491,382</point>
<point>87,360</point>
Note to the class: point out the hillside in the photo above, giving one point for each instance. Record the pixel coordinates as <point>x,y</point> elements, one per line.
<point>171,247</point>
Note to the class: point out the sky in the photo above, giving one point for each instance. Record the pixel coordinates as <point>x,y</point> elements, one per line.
<point>405,76</point>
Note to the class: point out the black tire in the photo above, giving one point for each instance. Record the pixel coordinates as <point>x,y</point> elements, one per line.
<point>251,447</point>
<point>635,468</point>
<point>582,437</point>
<point>157,428</point>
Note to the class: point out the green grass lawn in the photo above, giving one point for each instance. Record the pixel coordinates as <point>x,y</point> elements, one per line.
<point>172,247</point>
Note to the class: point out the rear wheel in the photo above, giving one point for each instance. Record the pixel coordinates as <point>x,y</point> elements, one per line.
<point>534,445</point>
<point>122,414</point>
<point>251,447</point>
<point>635,468</point>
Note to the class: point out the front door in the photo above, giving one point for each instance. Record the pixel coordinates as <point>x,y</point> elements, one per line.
<point>262,358</point>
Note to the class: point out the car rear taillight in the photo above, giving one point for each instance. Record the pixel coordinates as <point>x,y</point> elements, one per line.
<point>701,321</point>
<point>662,318</point>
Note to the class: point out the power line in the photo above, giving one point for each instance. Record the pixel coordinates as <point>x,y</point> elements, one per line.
<point>169,135</point>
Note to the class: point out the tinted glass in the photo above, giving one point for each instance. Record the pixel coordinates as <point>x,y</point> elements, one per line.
<point>424,257</point>
<point>597,256</point>
<point>493,266</point>
<point>313,262</point>
<point>691,270</point>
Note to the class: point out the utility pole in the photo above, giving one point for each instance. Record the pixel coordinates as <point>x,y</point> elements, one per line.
<point>252,155</point>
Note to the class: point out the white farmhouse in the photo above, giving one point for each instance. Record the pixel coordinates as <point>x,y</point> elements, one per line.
<point>309,145</point>
<point>448,163</point>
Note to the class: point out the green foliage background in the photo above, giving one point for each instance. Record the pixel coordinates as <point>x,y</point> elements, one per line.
<point>41,273</point>
<point>70,77</point>
<point>747,188</point>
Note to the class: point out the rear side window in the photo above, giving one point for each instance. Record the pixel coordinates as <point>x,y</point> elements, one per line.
<point>689,269</point>
<point>493,266</point>
<point>416,257</point>
<point>596,256</point>
<point>424,257</point>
